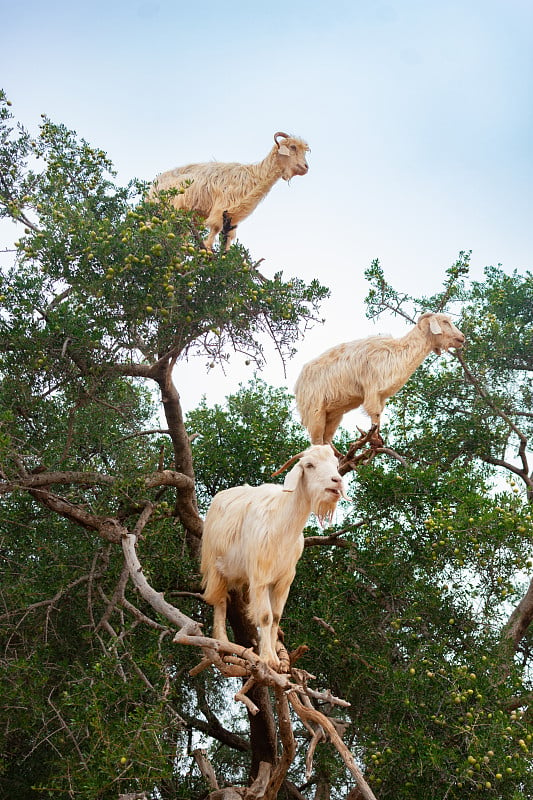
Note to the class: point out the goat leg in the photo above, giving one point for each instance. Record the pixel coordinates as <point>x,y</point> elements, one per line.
<point>226,229</point>
<point>226,224</point>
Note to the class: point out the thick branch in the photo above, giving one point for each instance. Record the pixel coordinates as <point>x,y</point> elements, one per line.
<point>155,599</point>
<point>186,506</point>
<point>215,730</point>
<point>105,526</point>
<point>521,618</point>
<point>205,767</point>
<point>169,477</point>
<point>166,477</point>
<point>50,478</point>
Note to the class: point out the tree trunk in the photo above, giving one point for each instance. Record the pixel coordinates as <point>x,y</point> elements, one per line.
<point>263,740</point>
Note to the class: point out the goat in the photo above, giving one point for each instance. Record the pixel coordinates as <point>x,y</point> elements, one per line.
<point>366,372</point>
<point>253,537</point>
<point>227,193</point>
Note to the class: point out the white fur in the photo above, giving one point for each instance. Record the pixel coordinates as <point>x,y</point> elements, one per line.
<point>232,188</point>
<point>253,537</point>
<point>366,372</point>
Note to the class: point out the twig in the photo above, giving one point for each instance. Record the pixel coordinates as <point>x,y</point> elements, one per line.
<point>325,625</point>
<point>241,696</point>
<point>318,736</point>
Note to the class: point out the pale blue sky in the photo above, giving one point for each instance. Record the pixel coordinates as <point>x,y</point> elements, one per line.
<point>419,116</point>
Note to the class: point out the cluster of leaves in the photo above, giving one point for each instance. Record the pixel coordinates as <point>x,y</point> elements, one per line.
<point>245,440</point>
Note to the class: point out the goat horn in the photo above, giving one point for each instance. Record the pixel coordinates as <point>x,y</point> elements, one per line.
<point>280,133</point>
<point>287,464</point>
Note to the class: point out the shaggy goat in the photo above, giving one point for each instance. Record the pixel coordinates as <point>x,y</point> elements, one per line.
<point>366,372</point>
<point>253,537</point>
<point>226,193</point>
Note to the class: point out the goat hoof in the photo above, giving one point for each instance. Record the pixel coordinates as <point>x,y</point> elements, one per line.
<point>272,662</point>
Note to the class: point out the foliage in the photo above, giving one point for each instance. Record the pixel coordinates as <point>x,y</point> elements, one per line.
<point>100,299</point>
<point>417,600</point>
<point>245,441</point>
<point>416,605</point>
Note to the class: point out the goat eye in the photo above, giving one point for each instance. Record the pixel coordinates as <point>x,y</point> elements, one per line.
<point>309,466</point>
<point>293,148</point>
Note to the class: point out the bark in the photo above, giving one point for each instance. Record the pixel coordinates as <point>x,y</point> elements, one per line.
<point>521,618</point>
<point>263,741</point>
<point>205,767</point>
<point>288,742</point>
<point>156,599</point>
<point>186,507</point>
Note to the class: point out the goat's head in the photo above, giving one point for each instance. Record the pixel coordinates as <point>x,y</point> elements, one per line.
<point>291,155</point>
<point>443,332</point>
<point>317,473</point>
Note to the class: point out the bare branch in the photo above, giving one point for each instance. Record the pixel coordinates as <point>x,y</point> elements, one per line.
<point>156,599</point>
<point>288,744</point>
<point>325,625</point>
<point>205,767</point>
<point>311,714</point>
<point>50,478</point>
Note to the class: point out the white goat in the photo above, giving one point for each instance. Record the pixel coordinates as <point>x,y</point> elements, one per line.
<point>253,537</point>
<point>226,193</point>
<point>366,372</point>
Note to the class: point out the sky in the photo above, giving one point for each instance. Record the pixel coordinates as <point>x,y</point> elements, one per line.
<point>419,116</point>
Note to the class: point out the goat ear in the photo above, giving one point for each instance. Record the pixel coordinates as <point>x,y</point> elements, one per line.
<point>434,326</point>
<point>284,150</point>
<point>291,479</point>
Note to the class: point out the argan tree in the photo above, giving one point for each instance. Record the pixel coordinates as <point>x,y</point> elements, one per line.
<point>103,299</point>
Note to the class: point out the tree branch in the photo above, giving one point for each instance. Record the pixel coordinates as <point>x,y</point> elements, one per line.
<point>155,599</point>
<point>320,719</point>
<point>520,619</point>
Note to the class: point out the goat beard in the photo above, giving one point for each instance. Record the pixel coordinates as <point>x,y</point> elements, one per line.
<point>324,511</point>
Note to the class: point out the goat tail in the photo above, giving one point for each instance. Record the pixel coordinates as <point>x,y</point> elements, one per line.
<point>215,587</point>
